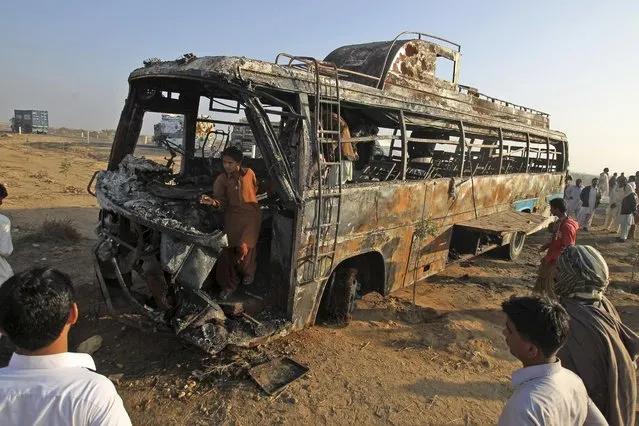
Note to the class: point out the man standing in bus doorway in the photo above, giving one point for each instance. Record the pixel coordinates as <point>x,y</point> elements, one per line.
<point>235,193</point>
<point>603,182</point>
<point>573,200</point>
<point>564,234</point>
<point>590,199</point>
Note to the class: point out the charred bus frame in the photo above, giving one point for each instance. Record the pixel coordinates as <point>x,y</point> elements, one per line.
<point>465,173</point>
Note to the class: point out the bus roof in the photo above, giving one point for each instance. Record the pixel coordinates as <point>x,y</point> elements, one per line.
<point>404,80</point>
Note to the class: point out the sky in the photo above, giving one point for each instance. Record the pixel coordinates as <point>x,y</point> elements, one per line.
<point>576,60</point>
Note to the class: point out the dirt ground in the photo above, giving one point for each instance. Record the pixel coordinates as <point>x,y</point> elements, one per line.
<point>442,362</point>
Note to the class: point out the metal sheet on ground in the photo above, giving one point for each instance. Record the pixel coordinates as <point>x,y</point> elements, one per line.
<point>509,221</point>
<point>277,374</point>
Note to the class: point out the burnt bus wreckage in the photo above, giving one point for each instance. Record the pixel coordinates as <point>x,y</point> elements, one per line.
<point>464,173</point>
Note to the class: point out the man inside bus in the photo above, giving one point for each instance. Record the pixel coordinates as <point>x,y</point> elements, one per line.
<point>422,152</point>
<point>590,199</point>
<point>564,234</point>
<point>349,153</point>
<point>235,193</point>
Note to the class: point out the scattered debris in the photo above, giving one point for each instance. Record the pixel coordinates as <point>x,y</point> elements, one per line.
<point>275,375</point>
<point>90,345</point>
<point>115,378</point>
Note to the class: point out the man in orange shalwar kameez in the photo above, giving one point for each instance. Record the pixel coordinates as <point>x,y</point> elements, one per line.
<point>235,193</point>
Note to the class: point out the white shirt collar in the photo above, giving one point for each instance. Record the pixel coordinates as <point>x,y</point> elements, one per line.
<point>533,372</point>
<point>63,360</point>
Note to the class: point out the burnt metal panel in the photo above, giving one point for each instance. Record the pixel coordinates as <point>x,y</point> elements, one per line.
<point>507,222</point>
<point>367,58</point>
<point>188,263</point>
<point>443,103</point>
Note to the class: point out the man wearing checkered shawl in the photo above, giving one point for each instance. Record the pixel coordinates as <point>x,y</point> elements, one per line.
<point>600,348</point>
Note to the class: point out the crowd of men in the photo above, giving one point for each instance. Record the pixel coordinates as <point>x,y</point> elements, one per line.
<point>621,211</point>
<point>578,358</point>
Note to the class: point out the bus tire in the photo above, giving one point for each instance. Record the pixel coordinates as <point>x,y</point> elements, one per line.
<point>516,246</point>
<point>338,299</point>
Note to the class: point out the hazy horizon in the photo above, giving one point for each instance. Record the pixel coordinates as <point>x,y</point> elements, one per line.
<point>573,60</point>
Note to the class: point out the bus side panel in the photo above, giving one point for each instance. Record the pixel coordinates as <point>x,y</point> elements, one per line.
<point>409,223</point>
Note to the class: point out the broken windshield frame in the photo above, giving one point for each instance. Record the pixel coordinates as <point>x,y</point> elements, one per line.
<point>182,96</point>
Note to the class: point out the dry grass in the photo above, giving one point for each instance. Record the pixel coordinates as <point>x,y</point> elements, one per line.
<point>58,230</point>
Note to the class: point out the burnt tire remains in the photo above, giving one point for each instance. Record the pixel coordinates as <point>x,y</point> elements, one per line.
<point>338,299</point>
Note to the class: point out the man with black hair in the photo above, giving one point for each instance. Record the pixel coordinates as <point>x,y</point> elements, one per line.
<point>590,199</point>
<point>6,246</point>
<point>572,197</point>
<point>564,234</point>
<point>545,392</point>
<point>604,181</point>
<point>612,183</point>
<point>235,193</point>
<point>44,384</point>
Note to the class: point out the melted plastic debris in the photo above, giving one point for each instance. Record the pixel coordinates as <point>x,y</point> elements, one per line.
<point>212,336</point>
<point>127,188</point>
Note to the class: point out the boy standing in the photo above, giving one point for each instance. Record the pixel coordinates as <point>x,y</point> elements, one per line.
<point>44,384</point>
<point>564,234</point>
<point>235,193</point>
<point>546,393</point>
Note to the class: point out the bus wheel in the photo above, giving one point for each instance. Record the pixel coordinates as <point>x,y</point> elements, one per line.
<point>514,249</point>
<point>338,299</point>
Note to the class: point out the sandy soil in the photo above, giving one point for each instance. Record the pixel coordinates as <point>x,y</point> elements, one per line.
<point>442,362</point>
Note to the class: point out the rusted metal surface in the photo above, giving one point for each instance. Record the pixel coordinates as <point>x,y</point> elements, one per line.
<point>384,217</point>
<point>396,231</point>
<point>508,221</point>
<point>421,100</point>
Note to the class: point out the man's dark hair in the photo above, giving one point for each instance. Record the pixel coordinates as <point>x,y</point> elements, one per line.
<point>539,320</point>
<point>3,191</point>
<point>606,170</point>
<point>559,204</point>
<point>35,306</point>
<point>233,152</point>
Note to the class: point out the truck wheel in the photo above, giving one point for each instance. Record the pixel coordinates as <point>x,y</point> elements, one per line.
<point>338,299</point>
<point>516,246</point>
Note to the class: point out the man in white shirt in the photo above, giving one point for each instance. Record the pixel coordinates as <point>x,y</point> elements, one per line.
<point>6,246</point>
<point>545,392</point>
<point>604,178</point>
<point>590,199</point>
<point>573,200</point>
<point>44,384</point>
